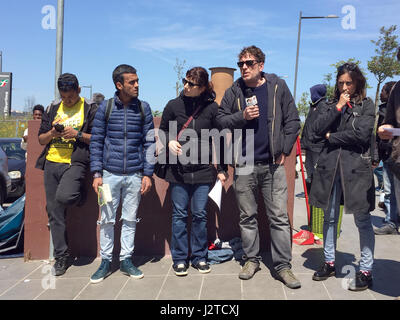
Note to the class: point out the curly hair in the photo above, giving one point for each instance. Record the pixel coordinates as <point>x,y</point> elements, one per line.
<point>254,51</point>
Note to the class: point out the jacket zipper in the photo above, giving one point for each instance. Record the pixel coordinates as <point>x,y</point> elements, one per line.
<point>273,125</point>
<point>124,139</point>
<point>240,139</point>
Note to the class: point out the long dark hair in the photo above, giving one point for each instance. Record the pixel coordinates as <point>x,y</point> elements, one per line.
<point>356,76</point>
<point>200,76</point>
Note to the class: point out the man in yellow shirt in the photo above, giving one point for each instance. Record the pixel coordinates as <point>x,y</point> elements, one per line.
<point>65,131</point>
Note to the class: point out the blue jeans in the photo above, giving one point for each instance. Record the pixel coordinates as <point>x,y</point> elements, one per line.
<point>127,187</point>
<point>180,195</point>
<point>362,221</point>
<point>390,196</point>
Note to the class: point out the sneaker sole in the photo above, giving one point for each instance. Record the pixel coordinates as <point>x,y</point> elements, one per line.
<point>246,277</point>
<point>132,276</point>
<point>181,274</point>
<point>100,279</point>
<point>359,289</point>
<point>204,271</point>
<point>315,278</point>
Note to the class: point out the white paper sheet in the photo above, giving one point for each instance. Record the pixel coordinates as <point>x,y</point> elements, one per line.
<point>395,131</point>
<point>216,193</point>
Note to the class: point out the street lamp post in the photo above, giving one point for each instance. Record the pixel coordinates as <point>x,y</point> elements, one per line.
<point>59,45</point>
<point>331,16</point>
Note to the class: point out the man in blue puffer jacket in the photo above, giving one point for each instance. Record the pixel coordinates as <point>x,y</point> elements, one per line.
<point>121,139</point>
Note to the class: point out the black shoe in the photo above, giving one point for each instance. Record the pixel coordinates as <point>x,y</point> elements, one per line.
<point>202,267</point>
<point>324,273</point>
<point>61,265</point>
<point>180,269</point>
<point>360,282</point>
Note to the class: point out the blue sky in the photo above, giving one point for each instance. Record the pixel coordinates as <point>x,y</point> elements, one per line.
<point>150,35</point>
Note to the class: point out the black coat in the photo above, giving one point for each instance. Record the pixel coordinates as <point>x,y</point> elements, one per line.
<point>347,150</point>
<point>179,110</point>
<point>309,141</point>
<point>283,118</point>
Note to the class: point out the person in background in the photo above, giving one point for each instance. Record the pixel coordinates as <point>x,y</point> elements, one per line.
<point>98,98</point>
<point>392,121</point>
<point>191,182</point>
<point>382,151</point>
<point>37,111</point>
<point>309,142</point>
<point>344,168</point>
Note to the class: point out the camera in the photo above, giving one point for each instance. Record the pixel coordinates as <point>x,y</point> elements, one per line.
<point>59,127</point>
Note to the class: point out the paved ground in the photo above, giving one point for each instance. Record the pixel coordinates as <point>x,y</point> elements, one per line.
<point>32,280</point>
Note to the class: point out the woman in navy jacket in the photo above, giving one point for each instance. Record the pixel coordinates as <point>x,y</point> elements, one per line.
<point>191,180</point>
<point>344,167</point>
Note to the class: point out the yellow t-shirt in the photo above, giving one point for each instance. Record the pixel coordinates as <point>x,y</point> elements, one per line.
<point>61,149</point>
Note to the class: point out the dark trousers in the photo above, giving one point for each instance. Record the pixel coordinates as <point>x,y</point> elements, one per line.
<point>271,179</point>
<point>311,161</point>
<point>62,183</point>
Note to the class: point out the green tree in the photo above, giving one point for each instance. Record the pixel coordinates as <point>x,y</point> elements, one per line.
<point>178,68</point>
<point>157,113</point>
<point>303,107</point>
<point>384,64</point>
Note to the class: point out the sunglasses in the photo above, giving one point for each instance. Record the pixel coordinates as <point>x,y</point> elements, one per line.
<point>348,66</point>
<point>191,84</point>
<point>248,63</point>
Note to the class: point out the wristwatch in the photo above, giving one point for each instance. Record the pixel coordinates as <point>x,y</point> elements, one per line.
<point>79,135</point>
<point>97,175</point>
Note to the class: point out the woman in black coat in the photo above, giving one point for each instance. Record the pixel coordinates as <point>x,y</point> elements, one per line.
<point>192,175</point>
<point>344,168</point>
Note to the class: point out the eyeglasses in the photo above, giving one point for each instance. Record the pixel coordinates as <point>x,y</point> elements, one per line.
<point>348,66</point>
<point>248,63</point>
<point>191,84</point>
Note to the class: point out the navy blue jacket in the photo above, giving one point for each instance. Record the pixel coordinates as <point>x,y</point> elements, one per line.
<point>121,145</point>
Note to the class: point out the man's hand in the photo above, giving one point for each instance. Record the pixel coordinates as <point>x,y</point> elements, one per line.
<point>280,160</point>
<point>96,183</point>
<point>146,185</point>
<point>251,112</point>
<point>69,133</point>
<point>383,134</point>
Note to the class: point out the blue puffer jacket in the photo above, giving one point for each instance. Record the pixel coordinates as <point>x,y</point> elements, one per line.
<point>120,146</point>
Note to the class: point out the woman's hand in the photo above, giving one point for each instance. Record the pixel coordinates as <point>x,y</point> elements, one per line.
<point>344,98</point>
<point>175,147</point>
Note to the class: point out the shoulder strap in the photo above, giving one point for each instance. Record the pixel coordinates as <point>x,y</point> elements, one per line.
<point>188,122</point>
<point>110,105</point>
<point>141,111</point>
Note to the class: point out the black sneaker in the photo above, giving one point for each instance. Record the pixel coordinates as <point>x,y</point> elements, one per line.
<point>61,265</point>
<point>180,269</point>
<point>360,282</point>
<point>202,267</point>
<point>325,272</point>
